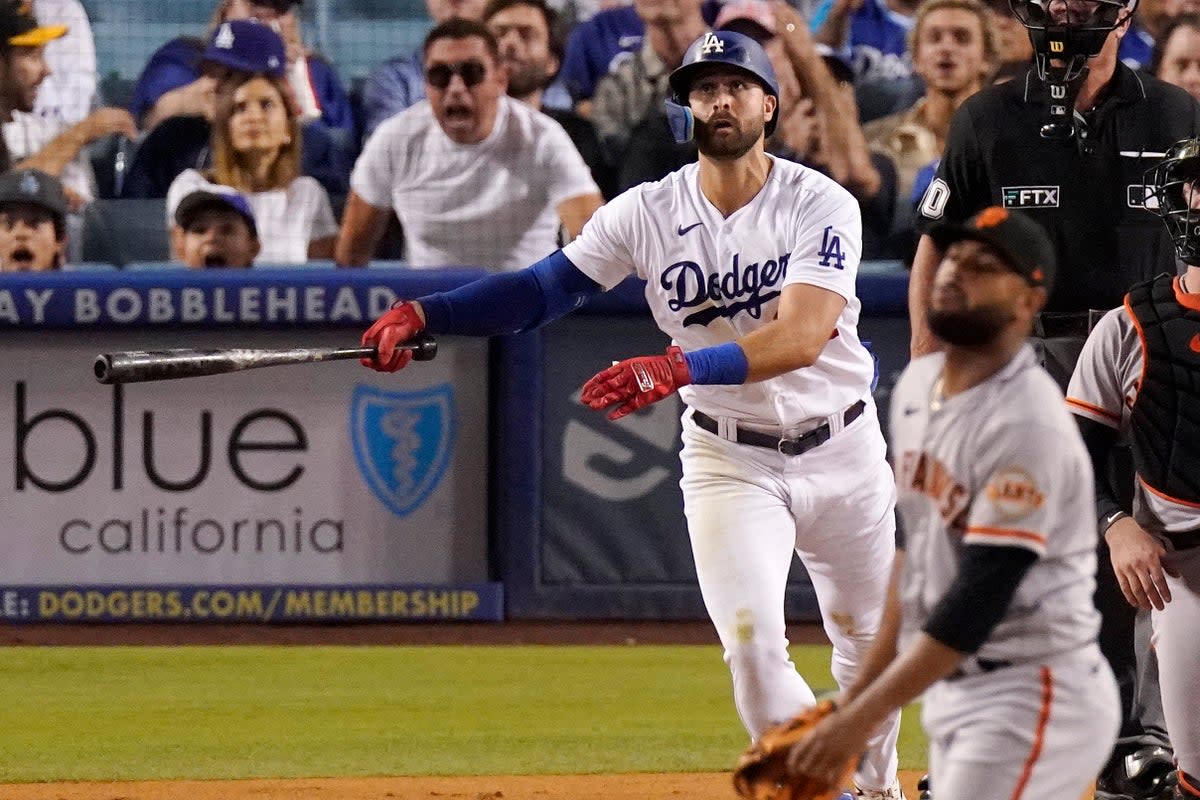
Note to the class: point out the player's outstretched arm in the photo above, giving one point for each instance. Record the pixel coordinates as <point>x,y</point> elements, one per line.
<point>806,319</point>
<point>504,303</point>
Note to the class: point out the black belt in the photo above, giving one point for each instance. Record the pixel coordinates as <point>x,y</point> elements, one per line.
<point>983,665</point>
<point>1058,324</point>
<point>789,447</point>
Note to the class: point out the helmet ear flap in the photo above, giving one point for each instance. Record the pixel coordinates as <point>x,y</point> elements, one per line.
<point>681,120</point>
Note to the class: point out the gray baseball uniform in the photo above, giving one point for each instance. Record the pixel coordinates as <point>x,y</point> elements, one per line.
<point>1035,712</point>
<point>1103,389</point>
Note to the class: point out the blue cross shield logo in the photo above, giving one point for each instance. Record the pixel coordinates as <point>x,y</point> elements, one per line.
<point>402,442</point>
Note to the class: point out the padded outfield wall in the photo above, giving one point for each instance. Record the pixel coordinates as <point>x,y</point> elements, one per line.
<point>472,487</point>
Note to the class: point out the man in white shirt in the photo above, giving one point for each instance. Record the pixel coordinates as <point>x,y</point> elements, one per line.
<point>475,177</point>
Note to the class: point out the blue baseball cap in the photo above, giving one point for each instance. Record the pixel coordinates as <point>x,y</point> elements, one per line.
<point>247,45</point>
<point>219,197</point>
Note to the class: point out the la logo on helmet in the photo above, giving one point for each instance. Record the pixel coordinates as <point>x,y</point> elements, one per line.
<point>712,44</point>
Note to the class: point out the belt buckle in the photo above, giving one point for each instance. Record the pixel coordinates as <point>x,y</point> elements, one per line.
<point>786,447</point>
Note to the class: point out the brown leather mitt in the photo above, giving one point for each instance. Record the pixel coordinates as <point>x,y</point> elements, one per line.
<point>762,771</point>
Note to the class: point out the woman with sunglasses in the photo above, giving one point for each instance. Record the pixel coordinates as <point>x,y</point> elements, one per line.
<point>256,150</point>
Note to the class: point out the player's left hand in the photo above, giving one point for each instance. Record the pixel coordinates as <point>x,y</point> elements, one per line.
<point>637,382</point>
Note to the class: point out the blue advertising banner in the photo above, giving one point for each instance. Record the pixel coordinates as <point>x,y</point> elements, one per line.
<point>218,603</point>
<point>213,298</point>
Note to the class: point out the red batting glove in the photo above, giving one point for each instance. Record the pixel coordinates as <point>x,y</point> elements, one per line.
<point>397,325</point>
<point>637,382</point>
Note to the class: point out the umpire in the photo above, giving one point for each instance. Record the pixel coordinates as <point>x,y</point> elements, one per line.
<point>1068,142</point>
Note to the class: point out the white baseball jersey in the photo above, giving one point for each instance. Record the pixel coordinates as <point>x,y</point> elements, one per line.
<point>1103,388</point>
<point>493,204</point>
<point>713,279</point>
<point>1001,464</point>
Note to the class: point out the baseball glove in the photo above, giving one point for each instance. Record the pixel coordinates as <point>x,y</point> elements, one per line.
<point>762,771</point>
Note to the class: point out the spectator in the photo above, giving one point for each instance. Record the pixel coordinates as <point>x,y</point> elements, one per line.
<point>531,50</point>
<point>33,222</point>
<point>399,82</point>
<point>954,53</point>
<point>173,82</point>
<point>68,94</point>
<point>256,150</point>
<point>873,35</point>
<point>475,177</point>
<point>595,48</point>
<point>632,94</point>
<point>242,47</point>
<point>214,228</point>
<point>22,50</point>
<point>1014,51</point>
<point>1177,55</point>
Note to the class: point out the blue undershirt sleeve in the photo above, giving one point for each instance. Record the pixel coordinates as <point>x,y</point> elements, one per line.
<point>510,302</point>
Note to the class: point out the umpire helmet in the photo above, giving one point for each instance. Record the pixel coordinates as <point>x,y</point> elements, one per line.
<point>1174,194</point>
<point>1076,34</point>
<point>718,47</point>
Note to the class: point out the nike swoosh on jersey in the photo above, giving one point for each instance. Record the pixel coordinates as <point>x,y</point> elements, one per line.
<point>1194,344</point>
<point>908,412</point>
<point>683,230</point>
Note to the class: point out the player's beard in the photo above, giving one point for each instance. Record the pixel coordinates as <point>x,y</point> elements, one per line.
<point>970,327</point>
<point>730,149</point>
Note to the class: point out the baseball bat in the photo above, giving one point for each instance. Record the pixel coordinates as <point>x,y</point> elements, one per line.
<point>136,366</point>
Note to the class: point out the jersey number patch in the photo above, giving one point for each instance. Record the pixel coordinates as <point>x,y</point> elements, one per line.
<point>933,204</point>
<point>831,250</point>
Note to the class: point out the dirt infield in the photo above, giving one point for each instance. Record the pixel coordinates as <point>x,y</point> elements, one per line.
<point>692,786</point>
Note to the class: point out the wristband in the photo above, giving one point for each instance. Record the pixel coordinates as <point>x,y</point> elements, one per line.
<point>1108,520</point>
<point>723,364</point>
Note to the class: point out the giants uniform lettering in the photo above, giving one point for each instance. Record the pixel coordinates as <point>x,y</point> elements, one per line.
<point>688,287</point>
<point>925,475</point>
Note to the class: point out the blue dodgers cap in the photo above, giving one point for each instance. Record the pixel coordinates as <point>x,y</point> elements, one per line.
<point>247,45</point>
<point>218,197</point>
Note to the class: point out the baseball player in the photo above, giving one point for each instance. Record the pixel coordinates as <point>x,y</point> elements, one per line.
<point>750,264</point>
<point>1139,378</point>
<point>990,613</point>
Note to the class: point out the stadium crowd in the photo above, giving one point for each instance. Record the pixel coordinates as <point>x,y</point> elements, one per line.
<point>493,143</point>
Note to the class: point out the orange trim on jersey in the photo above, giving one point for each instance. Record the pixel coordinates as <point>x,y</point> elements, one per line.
<point>1039,736</point>
<point>1008,533</point>
<point>1188,301</point>
<point>1137,326</point>
<point>1165,496</point>
<point>1194,791</point>
<point>1080,404</point>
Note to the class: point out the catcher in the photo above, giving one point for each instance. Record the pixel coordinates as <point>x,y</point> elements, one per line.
<point>990,611</point>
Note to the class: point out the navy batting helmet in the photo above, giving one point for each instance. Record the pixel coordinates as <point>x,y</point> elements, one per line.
<point>718,47</point>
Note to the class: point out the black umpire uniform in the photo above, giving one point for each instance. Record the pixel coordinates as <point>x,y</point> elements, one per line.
<point>1087,192</point>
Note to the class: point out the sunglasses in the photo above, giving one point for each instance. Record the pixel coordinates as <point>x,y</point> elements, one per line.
<point>472,73</point>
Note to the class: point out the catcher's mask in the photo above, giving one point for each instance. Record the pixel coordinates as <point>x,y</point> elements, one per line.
<point>1174,195</point>
<point>717,47</point>
<point>1065,34</point>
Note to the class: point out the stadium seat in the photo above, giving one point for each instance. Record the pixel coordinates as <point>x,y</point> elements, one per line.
<point>121,231</point>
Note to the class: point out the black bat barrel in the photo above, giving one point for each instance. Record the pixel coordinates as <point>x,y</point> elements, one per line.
<point>136,366</point>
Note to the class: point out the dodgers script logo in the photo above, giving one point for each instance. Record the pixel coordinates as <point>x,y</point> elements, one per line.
<point>743,288</point>
<point>402,442</point>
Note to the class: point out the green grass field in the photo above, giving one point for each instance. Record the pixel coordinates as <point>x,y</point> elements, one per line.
<point>106,713</point>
